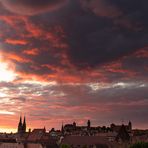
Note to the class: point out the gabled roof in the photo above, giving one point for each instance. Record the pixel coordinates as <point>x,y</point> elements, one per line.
<point>36,135</point>
<point>40,136</point>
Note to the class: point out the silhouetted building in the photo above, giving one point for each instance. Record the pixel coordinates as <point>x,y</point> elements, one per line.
<point>116,128</point>
<point>88,124</point>
<point>62,129</point>
<point>36,135</point>
<point>130,126</point>
<point>123,135</point>
<point>40,136</point>
<point>22,126</point>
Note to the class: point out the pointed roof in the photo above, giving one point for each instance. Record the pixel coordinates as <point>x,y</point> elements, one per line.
<point>20,118</point>
<point>36,135</point>
<point>24,120</point>
<point>129,122</point>
<point>62,129</point>
<point>20,123</point>
<point>44,128</point>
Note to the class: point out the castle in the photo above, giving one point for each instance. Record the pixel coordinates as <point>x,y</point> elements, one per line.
<point>74,129</point>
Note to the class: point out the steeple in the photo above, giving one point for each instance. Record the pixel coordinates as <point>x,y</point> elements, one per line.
<point>20,125</point>
<point>24,120</point>
<point>24,125</point>
<point>88,124</point>
<point>130,125</point>
<point>62,128</point>
<point>44,129</point>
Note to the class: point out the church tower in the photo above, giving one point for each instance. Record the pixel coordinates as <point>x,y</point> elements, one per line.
<point>88,124</point>
<point>62,129</point>
<point>24,125</point>
<point>21,126</point>
<point>130,125</point>
<point>19,130</point>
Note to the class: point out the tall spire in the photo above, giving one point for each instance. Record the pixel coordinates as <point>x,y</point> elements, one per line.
<point>44,129</point>
<point>88,124</point>
<point>20,125</point>
<point>24,125</point>
<point>24,120</point>
<point>62,128</point>
<point>130,125</point>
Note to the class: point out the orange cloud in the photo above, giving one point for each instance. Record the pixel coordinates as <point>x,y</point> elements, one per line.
<point>7,56</point>
<point>116,67</point>
<point>16,42</point>
<point>142,53</point>
<point>13,21</point>
<point>32,52</point>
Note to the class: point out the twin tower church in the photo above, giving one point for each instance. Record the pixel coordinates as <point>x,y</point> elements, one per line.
<point>22,126</point>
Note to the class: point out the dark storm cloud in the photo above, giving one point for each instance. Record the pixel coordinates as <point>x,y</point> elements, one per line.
<point>103,38</point>
<point>31,7</point>
<point>96,39</point>
<point>55,48</point>
<point>101,8</point>
<point>92,39</point>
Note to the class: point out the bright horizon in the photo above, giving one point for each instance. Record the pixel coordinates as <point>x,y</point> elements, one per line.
<point>9,129</point>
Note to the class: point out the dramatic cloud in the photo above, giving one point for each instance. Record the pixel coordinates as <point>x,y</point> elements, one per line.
<point>31,7</point>
<point>101,8</point>
<point>97,39</point>
<point>88,60</point>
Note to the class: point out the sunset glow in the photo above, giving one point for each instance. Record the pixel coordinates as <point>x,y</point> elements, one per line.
<point>4,112</point>
<point>73,60</point>
<point>6,74</point>
<point>7,130</point>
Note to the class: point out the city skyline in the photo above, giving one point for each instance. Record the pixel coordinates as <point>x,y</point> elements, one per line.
<point>73,60</point>
<point>28,126</point>
<point>22,126</point>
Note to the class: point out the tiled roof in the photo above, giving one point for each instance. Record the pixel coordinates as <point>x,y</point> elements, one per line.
<point>84,140</point>
<point>8,140</point>
<point>36,135</point>
<point>40,136</point>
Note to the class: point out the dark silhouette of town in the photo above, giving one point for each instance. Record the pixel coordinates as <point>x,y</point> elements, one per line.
<point>74,136</point>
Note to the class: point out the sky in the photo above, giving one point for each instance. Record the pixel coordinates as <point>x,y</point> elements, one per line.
<point>73,60</point>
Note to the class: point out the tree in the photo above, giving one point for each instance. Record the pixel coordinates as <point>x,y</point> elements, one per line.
<point>140,145</point>
<point>65,146</point>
